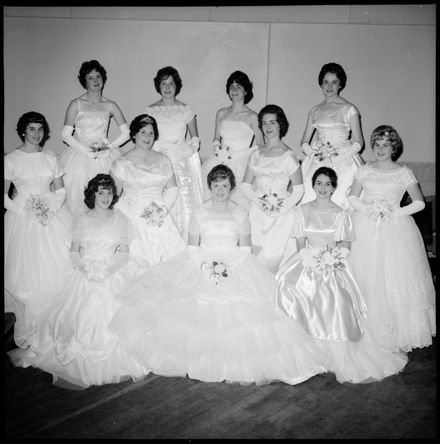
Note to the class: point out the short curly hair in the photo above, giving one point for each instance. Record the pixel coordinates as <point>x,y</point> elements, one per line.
<point>88,67</point>
<point>100,181</point>
<point>221,172</point>
<point>326,171</point>
<point>166,72</point>
<point>32,117</point>
<point>280,115</point>
<point>139,122</point>
<point>241,79</point>
<point>388,132</point>
<point>337,70</point>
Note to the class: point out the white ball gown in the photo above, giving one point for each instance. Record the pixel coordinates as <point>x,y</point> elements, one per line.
<point>36,255</point>
<point>270,233</point>
<point>142,185</point>
<point>208,314</point>
<point>172,123</point>
<point>91,125</point>
<point>332,125</point>
<point>72,341</point>
<point>327,301</point>
<point>235,149</point>
<point>391,266</point>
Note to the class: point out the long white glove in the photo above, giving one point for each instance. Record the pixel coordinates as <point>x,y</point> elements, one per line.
<point>195,254</point>
<point>194,143</point>
<point>348,152</point>
<point>293,198</point>
<point>77,260</point>
<point>170,197</point>
<point>123,136</point>
<point>66,135</point>
<point>248,191</point>
<point>407,210</point>
<point>60,197</point>
<point>357,204</point>
<point>118,260</point>
<point>12,206</point>
<point>306,149</point>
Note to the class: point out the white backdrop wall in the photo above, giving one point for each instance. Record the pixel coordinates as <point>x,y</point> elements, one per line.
<point>390,67</point>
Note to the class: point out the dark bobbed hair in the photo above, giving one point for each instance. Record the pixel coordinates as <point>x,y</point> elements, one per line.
<point>337,70</point>
<point>100,180</point>
<point>387,131</point>
<point>166,72</point>
<point>281,118</point>
<point>221,172</point>
<point>241,79</point>
<point>326,171</point>
<point>88,67</point>
<point>139,122</point>
<point>32,117</point>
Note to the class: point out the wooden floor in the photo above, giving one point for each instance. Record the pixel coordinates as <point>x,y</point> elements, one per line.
<point>401,406</point>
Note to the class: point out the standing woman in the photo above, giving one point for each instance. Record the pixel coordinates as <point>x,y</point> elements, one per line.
<point>273,184</point>
<point>149,190</point>
<point>237,133</point>
<point>176,121</point>
<point>338,138</point>
<point>36,237</point>
<point>90,151</point>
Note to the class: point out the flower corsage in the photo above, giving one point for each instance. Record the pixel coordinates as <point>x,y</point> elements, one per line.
<point>271,203</point>
<point>38,209</point>
<point>324,261</point>
<point>216,270</point>
<point>324,150</point>
<point>96,270</point>
<point>379,209</point>
<point>154,214</point>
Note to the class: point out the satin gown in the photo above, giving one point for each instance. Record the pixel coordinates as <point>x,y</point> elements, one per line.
<point>91,125</point>
<point>207,314</point>
<point>72,341</point>
<point>143,184</point>
<point>172,122</point>
<point>391,266</point>
<point>333,126</point>
<point>36,256</point>
<point>236,139</point>
<point>330,307</point>
<point>270,234</point>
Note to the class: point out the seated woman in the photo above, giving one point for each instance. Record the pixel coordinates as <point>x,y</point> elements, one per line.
<point>207,312</point>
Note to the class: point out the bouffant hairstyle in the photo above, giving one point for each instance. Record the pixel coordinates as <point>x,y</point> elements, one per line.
<point>326,171</point>
<point>32,117</point>
<point>241,79</point>
<point>166,72</point>
<point>139,122</point>
<point>221,172</point>
<point>388,132</point>
<point>88,67</point>
<point>281,118</point>
<point>337,70</point>
<point>100,181</point>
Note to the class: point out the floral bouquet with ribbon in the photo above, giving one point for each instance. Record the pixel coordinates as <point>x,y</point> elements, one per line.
<point>223,153</point>
<point>379,209</point>
<point>216,270</point>
<point>154,214</point>
<point>99,147</point>
<point>96,270</point>
<point>271,203</point>
<point>38,209</point>
<point>324,150</point>
<point>324,261</point>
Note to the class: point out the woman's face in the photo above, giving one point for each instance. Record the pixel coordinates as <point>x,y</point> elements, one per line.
<point>236,92</point>
<point>103,197</point>
<point>382,149</point>
<point>331,85</point>
<point>221,190</point>
<point>144,139</point>
<point>270,125</point>
<point>323,187</point>
<point>34,133</point>
<point>167,87</point>
<point>94,81</point>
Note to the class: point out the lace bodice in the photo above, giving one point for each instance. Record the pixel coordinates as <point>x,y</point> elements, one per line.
<point>31,172</point>
<point>171,121</point>
<point>92,122</point>
<point>220,231</point>
<point>98,240</point>
<point>142,183</point>
<point>236,135</point>
<point>272,174</point>
<point>333,122</point>
<point>322,228</point>
<point>388,184</point>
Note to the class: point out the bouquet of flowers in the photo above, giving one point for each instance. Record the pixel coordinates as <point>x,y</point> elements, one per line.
<point>38,209</point>
<point>325,150</point>
<point>271,202</point>
<point>217,271</point>
<point>96,270</point>
<point>154,214</point>
<point>98,147</point>
<point>324,260</point>
<point>380,209</point>
<point>222,152</point>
